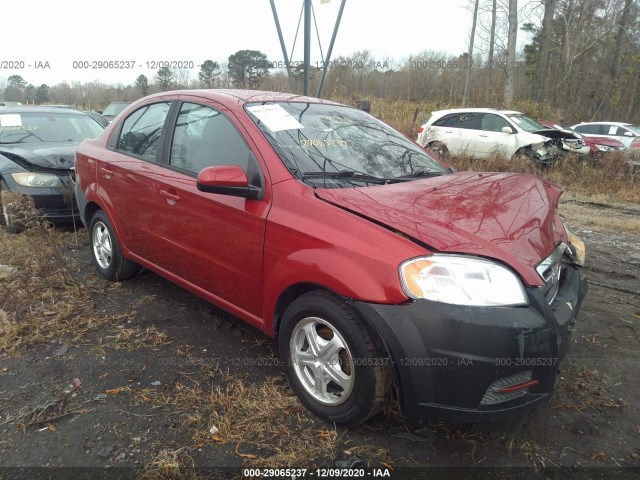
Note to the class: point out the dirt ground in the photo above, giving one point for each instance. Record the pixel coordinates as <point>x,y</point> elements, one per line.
<point>168,384</point>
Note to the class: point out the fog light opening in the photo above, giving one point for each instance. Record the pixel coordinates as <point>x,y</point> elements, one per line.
<point>509,388</point>
<point>518,387</point>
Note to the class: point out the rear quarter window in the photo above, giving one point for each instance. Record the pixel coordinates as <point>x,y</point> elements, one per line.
<point>141,131</point>
<point>589,129</point>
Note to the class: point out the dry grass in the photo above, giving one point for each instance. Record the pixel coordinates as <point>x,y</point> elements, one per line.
<point>610,180</point>
<point>169,465</point>
<point>264,424</point>
<point>40,299</point>
<point>133,339</point>
<point>591,389</point>
<point>599,219</point>
<point>269,420</point>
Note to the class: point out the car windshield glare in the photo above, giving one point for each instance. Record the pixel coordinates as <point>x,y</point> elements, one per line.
<point>526,123</point>
<point>33,127</point>
<point>313,139</point>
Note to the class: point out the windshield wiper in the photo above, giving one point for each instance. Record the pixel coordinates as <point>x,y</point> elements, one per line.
<point>422,173</point>
<point>346,174</point>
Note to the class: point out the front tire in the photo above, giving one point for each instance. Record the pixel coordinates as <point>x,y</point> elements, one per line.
<point>105,250</point>
<point>331,359</point>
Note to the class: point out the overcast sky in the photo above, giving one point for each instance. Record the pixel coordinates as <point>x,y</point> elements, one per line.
<point>61,32</point>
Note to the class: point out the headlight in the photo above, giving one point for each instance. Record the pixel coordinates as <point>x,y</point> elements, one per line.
<point>603,148</point>
<point>31,179</point>
<point>461,280</point>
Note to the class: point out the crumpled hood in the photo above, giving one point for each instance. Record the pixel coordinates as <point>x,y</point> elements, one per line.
<point>47,155</point>
<point>508,217</point>
<point>556,133</point>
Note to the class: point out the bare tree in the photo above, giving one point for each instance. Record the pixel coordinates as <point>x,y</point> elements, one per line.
<point>540,80</point>
<point>511,53</point>
<point>621,35</point>
<point>492,37</point>
<point>467,80</point>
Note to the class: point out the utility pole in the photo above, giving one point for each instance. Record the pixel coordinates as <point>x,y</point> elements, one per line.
<point>307,12</point>
<point>307,45</point>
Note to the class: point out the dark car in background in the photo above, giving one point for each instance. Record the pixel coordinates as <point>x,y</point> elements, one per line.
<point>372,263</point>
<point>37,154</point>
<point>102,121</point>
<point>113,109</point>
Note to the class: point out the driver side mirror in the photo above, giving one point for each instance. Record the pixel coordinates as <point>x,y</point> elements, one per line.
<point>507,130</point>
<point>227,180</point>
<point>628,134</point>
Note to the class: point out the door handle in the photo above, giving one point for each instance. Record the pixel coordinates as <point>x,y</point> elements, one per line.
<point>171,197</point>
<point>483,135</point>
<point>106,172</point>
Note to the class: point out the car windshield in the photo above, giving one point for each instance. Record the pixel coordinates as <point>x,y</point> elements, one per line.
<point>114,108</point>
<point>526,123</point>
<point>31,127</point>
<point>338,146</point>
<point>634,128</point>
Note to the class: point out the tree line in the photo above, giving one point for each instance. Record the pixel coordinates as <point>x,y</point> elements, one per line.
<point>580,62</point>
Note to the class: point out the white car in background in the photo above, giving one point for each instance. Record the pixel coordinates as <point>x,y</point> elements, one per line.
<point>481,132</point>
<point>623,132</point>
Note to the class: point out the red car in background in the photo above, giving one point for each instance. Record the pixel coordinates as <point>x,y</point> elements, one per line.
<point>597,145</point>
<point>373,265</point>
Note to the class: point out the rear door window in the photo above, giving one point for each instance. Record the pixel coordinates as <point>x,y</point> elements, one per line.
<point>590,129</point>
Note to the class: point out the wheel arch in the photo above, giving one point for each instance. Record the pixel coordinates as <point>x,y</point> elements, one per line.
<point>289,295</point>
<point>89,209</point>
<point>297,290</point>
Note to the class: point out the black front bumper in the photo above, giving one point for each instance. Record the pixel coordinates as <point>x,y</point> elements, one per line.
<point>446,357</point>
<point>55,204</point>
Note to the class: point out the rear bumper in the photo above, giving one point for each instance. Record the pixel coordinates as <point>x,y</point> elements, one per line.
<point>446,357</point>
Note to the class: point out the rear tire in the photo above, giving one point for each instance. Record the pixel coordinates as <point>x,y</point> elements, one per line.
<point>105,250</point>
<point>440,149</point>
<point>332,360</point>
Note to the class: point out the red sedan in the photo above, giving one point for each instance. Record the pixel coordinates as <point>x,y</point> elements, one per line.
<point>597,145</point>
<point>373,265</point>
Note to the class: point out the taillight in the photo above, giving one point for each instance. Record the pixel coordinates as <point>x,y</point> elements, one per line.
<point>421,129</point>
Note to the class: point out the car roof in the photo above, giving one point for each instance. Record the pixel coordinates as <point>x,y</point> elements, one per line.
<point>476,109</point>
<point>623,124</point>
<point>246,96</point>
<point>40,110</point>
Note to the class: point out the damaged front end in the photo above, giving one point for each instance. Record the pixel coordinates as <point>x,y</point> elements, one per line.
<point>557,144</point>
<point>562,142</point>
<point>540,153</point>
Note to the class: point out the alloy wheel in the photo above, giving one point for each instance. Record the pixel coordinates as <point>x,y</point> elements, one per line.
<point>322,361</point>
